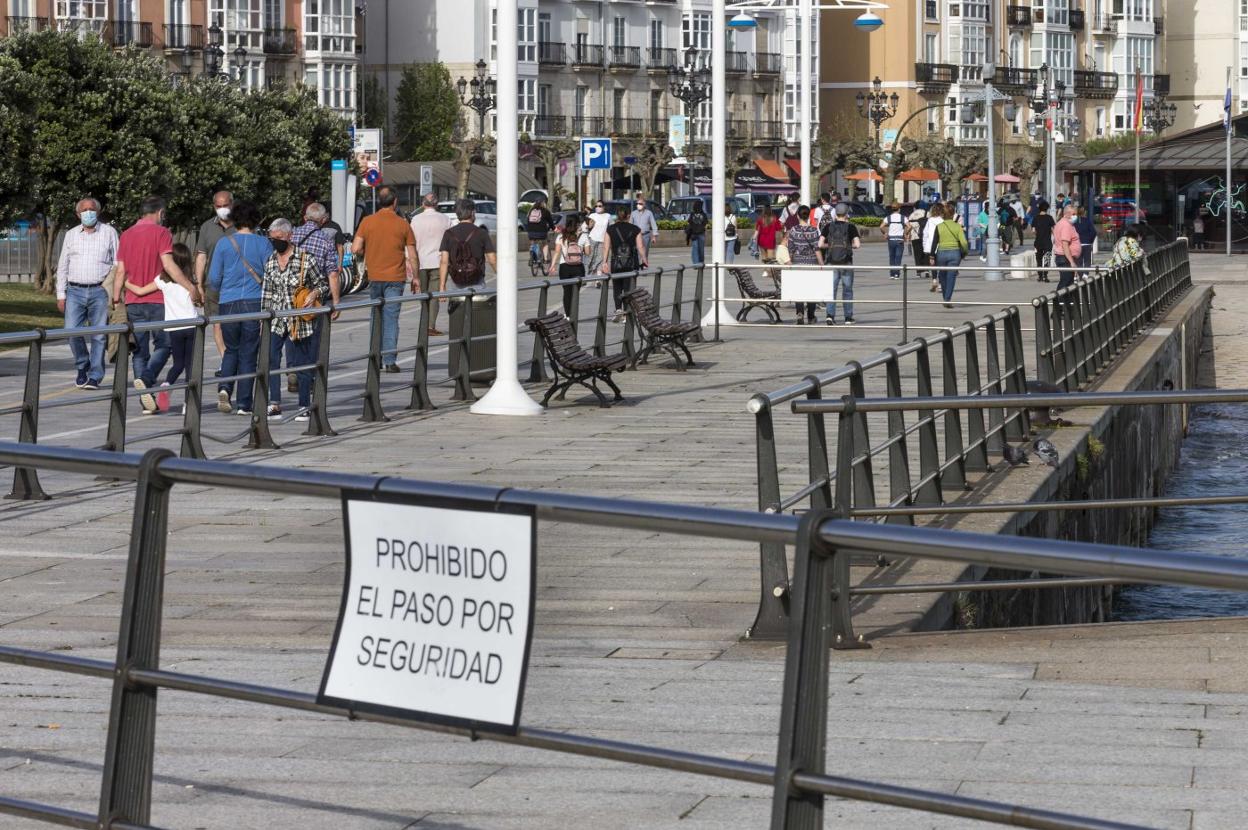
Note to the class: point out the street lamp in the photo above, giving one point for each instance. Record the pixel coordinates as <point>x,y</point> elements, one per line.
<point>877,107</point>
<point>214,55</point>
<point>240,61</point>
<point>691,84</point>
<point>1159,114</point>
<point>482,98</point>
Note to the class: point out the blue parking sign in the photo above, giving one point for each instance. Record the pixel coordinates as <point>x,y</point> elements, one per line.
<point>595,154</point>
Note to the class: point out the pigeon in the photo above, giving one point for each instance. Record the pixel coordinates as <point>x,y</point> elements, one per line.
<point>1043,416</point>
<point>1015,455</point>
<point>1045,451</point>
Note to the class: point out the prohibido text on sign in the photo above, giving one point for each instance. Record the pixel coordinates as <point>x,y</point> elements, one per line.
<point>437,611</point>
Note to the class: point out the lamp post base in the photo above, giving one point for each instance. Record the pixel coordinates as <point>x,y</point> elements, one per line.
<point>506,397</point>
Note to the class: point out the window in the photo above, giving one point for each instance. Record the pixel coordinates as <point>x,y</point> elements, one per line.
<point>656,108</point>
<point>657,28</point>
<point>21,8</point>
<point>334,83</point>
<point>177,13</point>
<point>329,26</point>
<point>125,11</point>
<point>543,100</point>
<point>975,9</point>
<point>273,13</point>
<point>81,15</point>
<point>241,22</point>
<point>493,34</point>
<point>526,26</point>
<point>582,101</point>
<point>527,98</point>
<point>929,9</point>
<point>617,104</point>
<point>619,32</point>
<point>696,29</point>
<point>974,44</point>
<point>929,48</point>
<point>543,27</point>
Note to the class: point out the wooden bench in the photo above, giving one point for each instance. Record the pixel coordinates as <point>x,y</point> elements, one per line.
<point>570,363</point>
<point>750,291</point>
<point>657,333</point>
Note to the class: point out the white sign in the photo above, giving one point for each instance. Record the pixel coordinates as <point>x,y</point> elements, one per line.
<point>677,133</point>
<point>367,149</point>
<point>426,179</point>
<point>437,612</point>
<point>805,286</point>
<point>595,154</point>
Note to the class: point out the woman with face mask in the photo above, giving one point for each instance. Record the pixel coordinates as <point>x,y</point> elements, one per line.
<point>597,223</point>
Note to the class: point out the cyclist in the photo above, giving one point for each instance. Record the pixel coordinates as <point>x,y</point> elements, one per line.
<point>539,223</point>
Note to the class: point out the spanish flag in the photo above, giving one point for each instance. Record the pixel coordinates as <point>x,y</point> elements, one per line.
<point>1139,101</point>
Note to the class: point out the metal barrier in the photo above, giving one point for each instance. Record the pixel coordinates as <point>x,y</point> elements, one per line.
<point>681,304</point>
<point>821,542</point>
<point>1080,329</point>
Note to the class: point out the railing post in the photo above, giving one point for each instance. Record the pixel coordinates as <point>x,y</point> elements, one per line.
<point>600,321</point>
<point>126,785</point>
<point>817,454</point>
<point>678,293</point>
<point>26,479</point>
<point>955,475</point>
<point>420,372</point>
<point>699,285</point>
<point>119,403</point>
<point>192,447</point>
<point>318,414</point>
<point>1045,371</point>
<point>372,371</point>
<point>463,378</point>
<point>572,303</point>
<point>537,369</point>
<point>929,490</point>
<point>1018,425</point>
<point>898,455</point>
<point>977,441</point>
<point>905,303</point>
<point>863,475</point>
<point>771,621</point>
<point>656,290</point>
<point>260,438</point>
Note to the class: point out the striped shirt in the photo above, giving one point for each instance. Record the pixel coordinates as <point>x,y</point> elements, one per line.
<point>86,257</point>
<point>318,244</point>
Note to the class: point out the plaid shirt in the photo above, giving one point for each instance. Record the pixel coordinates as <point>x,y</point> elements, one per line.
<point>312,239</point>
<point>280,284</point>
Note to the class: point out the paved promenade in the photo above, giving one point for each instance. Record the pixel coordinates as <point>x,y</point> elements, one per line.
<point>637,635</point>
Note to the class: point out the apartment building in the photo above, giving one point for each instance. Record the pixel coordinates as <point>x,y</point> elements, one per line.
<point>1206,37</point>
<point>261,42</point>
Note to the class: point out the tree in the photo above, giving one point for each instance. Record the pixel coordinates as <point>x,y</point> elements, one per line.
<point>468,151</point>
<point>652,154</point>
<point>426,113</point>
<point>843,144</point>
<point>374,108</point>
<point>550,151</point>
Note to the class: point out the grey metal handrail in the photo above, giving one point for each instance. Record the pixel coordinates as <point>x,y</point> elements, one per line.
<point>821,541</point>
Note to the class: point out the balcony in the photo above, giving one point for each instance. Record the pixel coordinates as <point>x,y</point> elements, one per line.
<point>1076,20</point>
<point>280,42</point>
<point>1018,17</point>
<point>1161,85</point>
<point>1014,80</point>
<point>552,54</point>
<point>736,63</point>
<point>1159,25</point>
<point>18,25</point>
<point>586,54</point>
<point>550,126</point>
<point>131,33</point>
<point>82,25</point>
<point>1090,84</point>
<point>179,36</point>
<point>771,131</point>
<point>583,125</point>
<point>768,63</point>
<point>627,126</point>
<point>935,78</point>
<point>1104,24</point>
<point>661,60</point>
<point>623,57</point>
<point>970,73</point>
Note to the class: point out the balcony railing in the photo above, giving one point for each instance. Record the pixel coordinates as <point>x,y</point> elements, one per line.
<point>1018,16</point>
<point>550,126</point>
<point>82,25</point>
<point>1076,20</point>
<point>661,60</point>
<point>1161,84</point>
<point>1104,24</point>
<point>624,57</point>
<point>182,36</point>
<point>1159,26</point>
<point>552,54</point>
<point>935,77</point>
<point>626,126</point>
<point>584,125</point>
<point>971,73</point>
<point>18,25</point>
<point>1090,84</point>
<point>131,33</point>
<point>586,54</point>
<point>736,62</point>
<point>770,131</point>
<point>768,63</point>
<point>1014,80</point>
<point>280,42</point>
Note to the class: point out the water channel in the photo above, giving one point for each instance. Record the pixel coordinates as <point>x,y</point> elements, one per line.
<point>1214,460</point>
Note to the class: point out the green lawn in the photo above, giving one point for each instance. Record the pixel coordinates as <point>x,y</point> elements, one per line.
<point>23,308</point>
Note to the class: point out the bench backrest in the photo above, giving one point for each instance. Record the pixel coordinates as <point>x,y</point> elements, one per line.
<point>558,336</point>
<point>642,306</point>
<point>745,282</point>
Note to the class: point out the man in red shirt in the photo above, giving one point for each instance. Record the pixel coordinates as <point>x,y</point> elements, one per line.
<point>144,252</point>
<point>1066,247</point>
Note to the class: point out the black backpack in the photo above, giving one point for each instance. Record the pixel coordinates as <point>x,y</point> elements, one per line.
<point>838,243</point>
<point>465,269</point>
<point>696,223</point>
<point>623,253</point>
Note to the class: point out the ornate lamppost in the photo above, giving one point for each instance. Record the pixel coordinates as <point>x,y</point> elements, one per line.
<point>877,107</point>
<point>482,98</point>
<point>1159,114</point>
<point>690,83</point>
<point>214,55</point>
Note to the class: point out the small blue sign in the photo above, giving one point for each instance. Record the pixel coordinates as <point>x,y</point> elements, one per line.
<point>373,177</point>
<point>338,164</point>
<point>630,159</point>
<point>595,154</point>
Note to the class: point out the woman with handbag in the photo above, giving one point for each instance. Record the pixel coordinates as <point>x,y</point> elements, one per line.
<point>291,281</point>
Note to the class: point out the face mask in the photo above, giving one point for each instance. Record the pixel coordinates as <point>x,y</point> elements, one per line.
<point>223,213</point>
<point>600,209</point>
<point>1074,219</point>
<point>280,245</point>
<point>89,218</point>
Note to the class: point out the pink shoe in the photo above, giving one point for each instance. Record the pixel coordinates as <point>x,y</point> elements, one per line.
<point>162,399</point>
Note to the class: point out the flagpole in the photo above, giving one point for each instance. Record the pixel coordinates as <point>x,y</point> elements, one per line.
<point>1230,214</point>
<point>1139,94</point>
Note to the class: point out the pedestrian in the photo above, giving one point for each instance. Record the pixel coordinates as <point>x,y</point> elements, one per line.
<point>219,225</point>
<point>465,251</point>
<point>1067,247</point>
<point>1087,237</point>
<point>598,222</point>
<point>951,247</point>
<point>538,225</point>
<point>788,216</point>
<point>389,248</point>
<point>935,215</point>
<point>236,276</point>
<point>1127,249</point>
<point>1005,227</point>
<point>428,228</point>
<point>644,219</point>
<point>570,257</point>
<point>292,280</point>
<point>732,245</point>
<point>802,242</point>
<point>1042,225</point>
<point>916,224</point>
<point>88,254</point>
<point>822,214</point>
<point>1020,217</point>
<point>695,234</point>
<point>895,231</point>
<point>316,239</point>
<point>178,306</point>
<point>144,251</point>
<point>623,253</point>
<point>1198,229</point>
<point>837,246</point>
<point>767,229</point>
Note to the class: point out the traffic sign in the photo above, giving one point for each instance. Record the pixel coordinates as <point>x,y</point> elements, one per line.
<point>630,159</point>
<point>373,177</point>
<point>426,179</point>
<point>595,154</point>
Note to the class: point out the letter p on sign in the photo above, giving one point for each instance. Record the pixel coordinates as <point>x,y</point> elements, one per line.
<point>595,154</point>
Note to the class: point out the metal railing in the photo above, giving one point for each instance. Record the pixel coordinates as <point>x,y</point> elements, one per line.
<point>821,543</point>
<point>184,36</point>
<point>676,294</point>
<point>1080,329</point>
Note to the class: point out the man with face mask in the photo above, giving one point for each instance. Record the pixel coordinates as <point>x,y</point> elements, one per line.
<point>217,227</point>
<point>87,255</point>
<point>597,223</point>
<point>1066,247</point>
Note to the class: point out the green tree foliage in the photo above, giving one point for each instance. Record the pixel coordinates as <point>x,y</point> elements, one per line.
<point>426,113</point>
<point>85,120</point>
<point>373,103</point>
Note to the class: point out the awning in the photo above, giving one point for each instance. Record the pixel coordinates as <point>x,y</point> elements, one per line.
<point>1191,154</point>
<point>865,176</point>
<point>975,177</point>
<point>746,181</point>
<point>1002,178</point>
<point>795,165</point>
<point>919,174</point>
<point>772,169</point>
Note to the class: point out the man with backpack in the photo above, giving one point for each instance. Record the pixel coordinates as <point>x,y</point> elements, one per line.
<point>538,224</point>
<point>837,247</point>
<point>465,250</point>
<point>895,232</point>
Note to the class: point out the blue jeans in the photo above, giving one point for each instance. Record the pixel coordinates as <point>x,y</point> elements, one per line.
<point>697,248</point>
<point>896,247</point>
<point>87,307</point>
<point>842,279</point>
<point>298,353</point>
<point>730,250</point>
<point>947,276</point>
<point>151,348</point>
<point>389,318</point>
<point>242,346</point>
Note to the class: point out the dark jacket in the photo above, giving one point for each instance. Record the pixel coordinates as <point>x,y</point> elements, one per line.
<point>1086,230</point>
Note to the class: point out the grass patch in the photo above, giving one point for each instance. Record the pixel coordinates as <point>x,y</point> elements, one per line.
<point>22,308</point>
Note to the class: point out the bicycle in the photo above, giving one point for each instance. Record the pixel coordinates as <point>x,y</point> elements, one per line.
<point>537,265</point>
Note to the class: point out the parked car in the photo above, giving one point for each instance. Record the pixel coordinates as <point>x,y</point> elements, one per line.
<point>1120,212</point>
<point>867,208</point>
<point>487,214</point>
<point>613,207</point>
<point>682,206</point>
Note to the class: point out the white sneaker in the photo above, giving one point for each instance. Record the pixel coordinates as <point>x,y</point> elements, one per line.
<point>146,400</point>
<point>275,412</point>
<point>302,415</point>
<point>223,402</point>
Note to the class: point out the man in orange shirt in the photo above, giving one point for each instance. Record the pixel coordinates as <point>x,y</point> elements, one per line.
<point>389,248</point>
